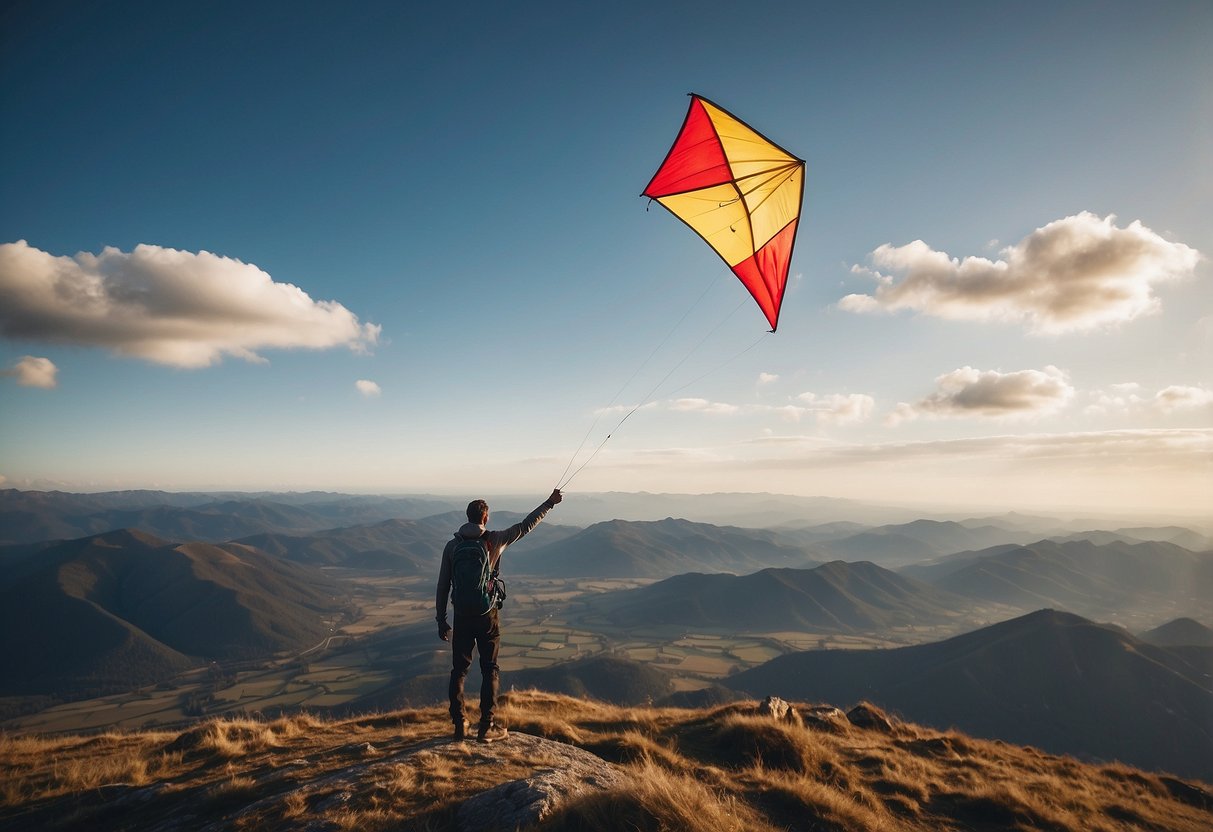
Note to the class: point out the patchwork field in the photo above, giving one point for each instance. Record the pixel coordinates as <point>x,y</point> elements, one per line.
<point>392,639</point>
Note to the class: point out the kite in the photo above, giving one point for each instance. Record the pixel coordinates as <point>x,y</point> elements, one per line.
<point>740,192</point>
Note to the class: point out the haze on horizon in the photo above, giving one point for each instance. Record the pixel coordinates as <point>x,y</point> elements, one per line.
<point>383,250</point>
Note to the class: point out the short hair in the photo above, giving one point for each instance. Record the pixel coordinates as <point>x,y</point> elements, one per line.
<point>477,509</point>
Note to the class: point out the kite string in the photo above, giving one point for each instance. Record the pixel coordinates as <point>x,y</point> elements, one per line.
<point>632,377</point>
<point>649,396</point>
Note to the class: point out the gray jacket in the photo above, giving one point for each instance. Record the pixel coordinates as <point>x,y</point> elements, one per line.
<point>495,541</point>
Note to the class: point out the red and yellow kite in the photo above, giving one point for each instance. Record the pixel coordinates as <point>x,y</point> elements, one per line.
<point>740,192</point>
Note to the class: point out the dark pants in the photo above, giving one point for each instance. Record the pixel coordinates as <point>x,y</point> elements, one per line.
<point>481,632</point>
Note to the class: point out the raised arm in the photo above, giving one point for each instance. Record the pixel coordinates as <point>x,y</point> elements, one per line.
<point>500,539</point>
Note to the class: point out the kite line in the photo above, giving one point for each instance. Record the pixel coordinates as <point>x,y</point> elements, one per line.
<point>721,175</point>
<point>563,482</point>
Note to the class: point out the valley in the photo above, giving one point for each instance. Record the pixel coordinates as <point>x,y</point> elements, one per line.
<point>546,621</point>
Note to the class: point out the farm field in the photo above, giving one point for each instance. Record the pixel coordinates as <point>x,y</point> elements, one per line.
<point>392,639</point>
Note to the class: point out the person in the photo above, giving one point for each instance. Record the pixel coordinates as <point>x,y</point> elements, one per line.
<point>479,631</point>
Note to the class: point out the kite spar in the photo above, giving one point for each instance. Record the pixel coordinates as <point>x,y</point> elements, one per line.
<point>742,194</point>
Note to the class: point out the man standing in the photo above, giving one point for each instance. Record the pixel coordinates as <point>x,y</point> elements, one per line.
<point>470,563</point>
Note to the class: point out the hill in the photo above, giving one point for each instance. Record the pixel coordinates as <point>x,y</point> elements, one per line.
<point>411,547</point>
<point>659,549</point>
<point>578,765</point>
<point>122,609</point>
<point>605,678</point>
<point>1078,575</point>
<point>834,597</point>
<point>32,516</point>
<point>1048,679</point>
<point>1182,632</point>
<point>905,543</point>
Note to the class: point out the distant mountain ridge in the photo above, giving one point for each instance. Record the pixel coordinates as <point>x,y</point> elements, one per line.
<point>836,597</point>
<point>410,547</point>
<point>660,549</point>
<point>1077,575</point>
<point>32,516</point>
<point>1049,679</point>
<point>121,609</point>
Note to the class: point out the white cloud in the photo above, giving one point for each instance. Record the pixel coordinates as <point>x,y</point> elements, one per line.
<point>703,406</point>
<point>32,371</point>
<point>1125,398</point>
<point>991,394</point>
<point>1179,397</point>
<point>368,388</point>
<point>173,307</point>
<point>767,378</point>
<point>1075,273</point>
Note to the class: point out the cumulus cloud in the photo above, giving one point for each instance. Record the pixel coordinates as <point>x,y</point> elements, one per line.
<point>1075,273</point>
<point>991,394</point>
<point>1126,398</point>
<point>1179,397</point>
<point>32,371</point>
<point>180,308</point>
<point>368,388</point>
<point>767,378</point>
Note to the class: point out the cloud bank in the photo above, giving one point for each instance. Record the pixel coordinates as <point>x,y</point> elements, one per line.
<point>990,394</point>
<point>32,371</point>
<point>179,308</point>
<point>1075,273</point>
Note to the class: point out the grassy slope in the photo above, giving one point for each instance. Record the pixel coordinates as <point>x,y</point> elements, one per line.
<point>716,769</point>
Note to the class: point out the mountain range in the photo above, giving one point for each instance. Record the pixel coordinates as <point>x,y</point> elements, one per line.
<point>410,547</point>
<point>836,597</point>
<point>659,549</point>
<point>122,609</point>
<point>1049,679</point>
<point>1077,575</point>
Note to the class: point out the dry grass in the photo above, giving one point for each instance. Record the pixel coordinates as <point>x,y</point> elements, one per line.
<point>716,769</point>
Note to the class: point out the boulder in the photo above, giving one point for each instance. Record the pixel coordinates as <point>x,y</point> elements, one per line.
<point>778,709</point>
<point>865,716</point>
<point>570,772</point>
<point>824,718</point>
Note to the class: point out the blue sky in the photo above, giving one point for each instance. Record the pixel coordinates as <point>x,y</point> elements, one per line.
<point>463,184</point>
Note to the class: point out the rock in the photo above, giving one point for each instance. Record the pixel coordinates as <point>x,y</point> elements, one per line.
<point>572,772</point>
<point>824,718</point>
<point>865,716</point>
<point>778,709</point>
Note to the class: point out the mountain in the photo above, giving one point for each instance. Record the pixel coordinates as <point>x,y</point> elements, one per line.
<point>31,516</point>
<point>579,765</point>
<point>659,549</point>
<point>1077,575</point>
<point>606,678</point>
<point>1049,679</point>
<point>122,609</point>
<point>905,543</point>
<point>412,547</point>
<point>1182,632</point>
<point>834,597</point>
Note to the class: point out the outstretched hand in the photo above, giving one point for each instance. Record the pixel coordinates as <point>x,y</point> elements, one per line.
<point>556,496</point>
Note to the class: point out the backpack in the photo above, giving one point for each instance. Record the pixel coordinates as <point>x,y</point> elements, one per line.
<point>475,588</point>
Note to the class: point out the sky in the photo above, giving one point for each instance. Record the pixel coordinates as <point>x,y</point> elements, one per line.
<point>385,247</point>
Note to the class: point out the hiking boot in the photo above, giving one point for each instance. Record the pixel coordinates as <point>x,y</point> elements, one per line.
<point>461,730</point>
<point>492,732</point>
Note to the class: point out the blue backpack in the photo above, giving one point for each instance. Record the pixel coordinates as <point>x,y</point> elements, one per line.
<point>475,589</point>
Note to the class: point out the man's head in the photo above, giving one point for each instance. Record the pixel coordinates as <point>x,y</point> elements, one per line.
<point>478,512</point>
